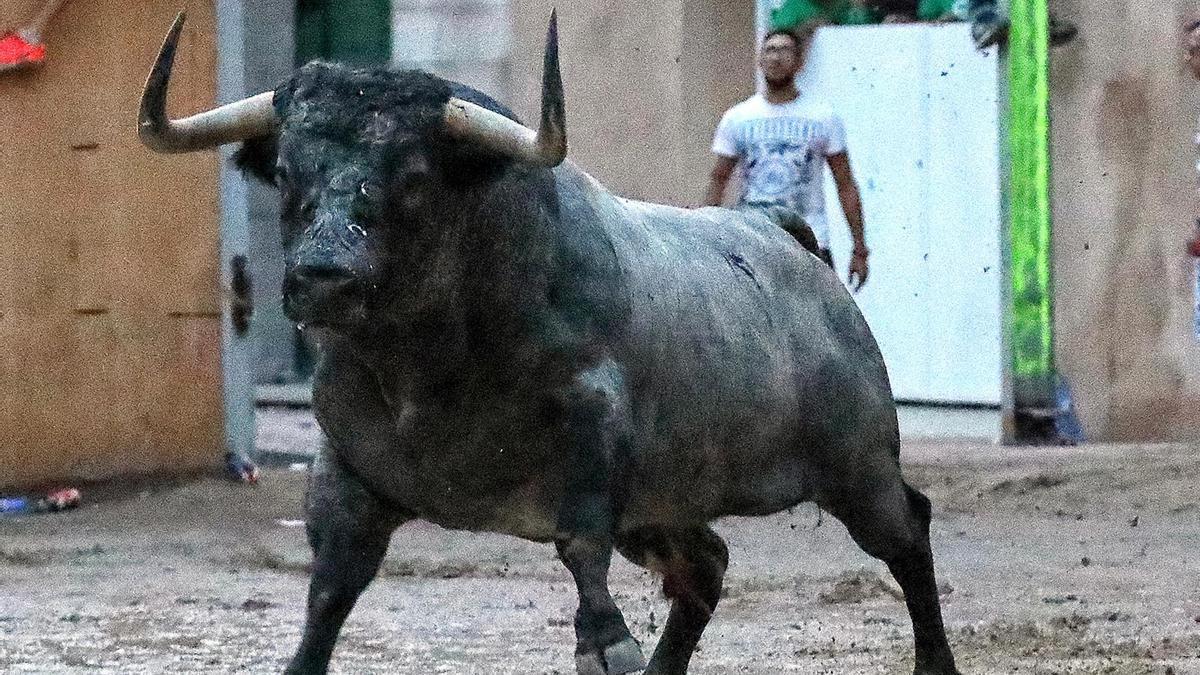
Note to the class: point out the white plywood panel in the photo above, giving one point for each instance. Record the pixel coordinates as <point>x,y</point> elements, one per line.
<point>963,216</point>
<point>920,117</point>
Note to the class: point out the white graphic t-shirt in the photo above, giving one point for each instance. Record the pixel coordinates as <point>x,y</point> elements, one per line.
<point>782,149</point>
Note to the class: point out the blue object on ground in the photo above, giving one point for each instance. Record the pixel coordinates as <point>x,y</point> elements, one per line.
<point>14,505</point>
<point>1066,422</point>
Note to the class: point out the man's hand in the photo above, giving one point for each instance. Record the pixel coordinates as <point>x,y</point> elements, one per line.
<point>859,269</point>
<point>851,201</point>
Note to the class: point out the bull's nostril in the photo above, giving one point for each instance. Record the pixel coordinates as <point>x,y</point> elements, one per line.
<point>321,274</point>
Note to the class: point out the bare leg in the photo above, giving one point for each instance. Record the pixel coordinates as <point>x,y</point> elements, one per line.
<point>349,530</point>
<point>36,27</point>
<point>23,49</point>
<point>693,564</point>
<point>989,25</point>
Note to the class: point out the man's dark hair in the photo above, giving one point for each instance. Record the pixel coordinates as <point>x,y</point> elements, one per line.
<point>782,31</point>
<point>801,35</point>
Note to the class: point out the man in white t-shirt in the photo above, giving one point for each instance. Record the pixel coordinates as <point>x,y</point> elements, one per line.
<point>783,139</point>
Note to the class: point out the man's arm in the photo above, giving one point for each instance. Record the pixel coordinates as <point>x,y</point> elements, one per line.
<point>719,179</point>
<point>847,189</point>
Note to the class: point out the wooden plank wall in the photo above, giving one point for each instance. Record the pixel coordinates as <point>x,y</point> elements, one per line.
<point>110,336</point>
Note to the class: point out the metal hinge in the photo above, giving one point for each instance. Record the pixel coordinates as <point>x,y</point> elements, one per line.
<point>241,303</point>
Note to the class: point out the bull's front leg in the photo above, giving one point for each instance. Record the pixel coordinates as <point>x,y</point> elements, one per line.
<point>597,435</point>
<point>348,529</point>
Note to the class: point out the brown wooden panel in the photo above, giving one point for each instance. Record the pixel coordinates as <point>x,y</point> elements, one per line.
<point>101,395</point>
<point>53,428</point>
<point>181,417</point>
<point>109,285</point>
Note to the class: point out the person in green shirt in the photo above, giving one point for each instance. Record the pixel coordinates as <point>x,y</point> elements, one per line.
<point>989,25</point>
<point>861,12</point>
<point>942,10</point>
<point>794,13</point>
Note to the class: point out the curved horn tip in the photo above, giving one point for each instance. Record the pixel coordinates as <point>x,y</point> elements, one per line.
<point>176,26</point>
<point>552,134</point>
<point>552,33</point>
<point>247,118</point>
<point>172,38</point>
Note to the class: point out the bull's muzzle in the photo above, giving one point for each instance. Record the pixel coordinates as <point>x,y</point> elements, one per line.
<point>318,293</point>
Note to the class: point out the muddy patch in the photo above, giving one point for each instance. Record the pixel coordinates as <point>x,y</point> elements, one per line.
<point>859,586</point>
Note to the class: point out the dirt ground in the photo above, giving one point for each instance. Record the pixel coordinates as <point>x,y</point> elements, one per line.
<point>1078,560</point>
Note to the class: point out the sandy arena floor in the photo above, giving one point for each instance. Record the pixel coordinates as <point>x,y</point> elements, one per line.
<point>1075,560</point>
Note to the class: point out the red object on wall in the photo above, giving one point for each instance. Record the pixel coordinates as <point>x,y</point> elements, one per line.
<point>1193,246</point>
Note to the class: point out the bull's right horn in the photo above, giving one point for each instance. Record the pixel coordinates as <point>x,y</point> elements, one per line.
<point>545,147</point>
<point>248,118</point>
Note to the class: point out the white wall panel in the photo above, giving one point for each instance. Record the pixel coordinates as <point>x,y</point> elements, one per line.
<point>921,113</point>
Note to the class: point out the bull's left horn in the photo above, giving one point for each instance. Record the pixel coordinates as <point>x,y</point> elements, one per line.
<point>248,118</point>
<point>545,147</point>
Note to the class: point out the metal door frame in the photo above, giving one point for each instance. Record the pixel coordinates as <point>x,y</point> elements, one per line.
<point>233,213</point>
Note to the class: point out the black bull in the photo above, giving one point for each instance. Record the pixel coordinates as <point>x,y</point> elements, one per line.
<point>506,346</point>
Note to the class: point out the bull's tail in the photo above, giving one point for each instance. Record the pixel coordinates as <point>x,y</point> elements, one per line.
<point>793,223</point>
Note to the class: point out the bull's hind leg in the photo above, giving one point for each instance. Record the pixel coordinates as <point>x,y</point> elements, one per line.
<point>348,529</point>
<point>596,437</point>
<point>693,563</point>
<point>890,521</point>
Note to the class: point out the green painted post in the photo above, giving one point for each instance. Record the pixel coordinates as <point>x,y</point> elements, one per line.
<point>1031,312</point>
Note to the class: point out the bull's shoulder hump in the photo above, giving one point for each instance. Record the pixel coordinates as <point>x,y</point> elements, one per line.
<point>709,224</point>
<point>687,230</point>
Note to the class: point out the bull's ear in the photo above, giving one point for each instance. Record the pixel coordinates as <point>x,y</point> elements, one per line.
<point>284,93</point>
<point>256,158</point>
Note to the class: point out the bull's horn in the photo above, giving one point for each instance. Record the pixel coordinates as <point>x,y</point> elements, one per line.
<point>547,146</point>
<point>249,118</point>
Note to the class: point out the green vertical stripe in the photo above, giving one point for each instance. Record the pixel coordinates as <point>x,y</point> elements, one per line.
<point>1032,316</point>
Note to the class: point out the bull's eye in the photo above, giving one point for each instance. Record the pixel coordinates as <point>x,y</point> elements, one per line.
<point>308,209</point>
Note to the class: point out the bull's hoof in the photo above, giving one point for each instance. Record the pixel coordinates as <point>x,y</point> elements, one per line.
<point>620,658</point>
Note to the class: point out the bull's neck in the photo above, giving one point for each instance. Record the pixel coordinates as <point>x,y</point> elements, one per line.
<point>494,242</point>
<point>505,291</point>
<point>477,270</point>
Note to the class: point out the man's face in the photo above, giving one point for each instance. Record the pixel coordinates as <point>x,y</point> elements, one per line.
<point>1191,47</point>
<point>780,60</point>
